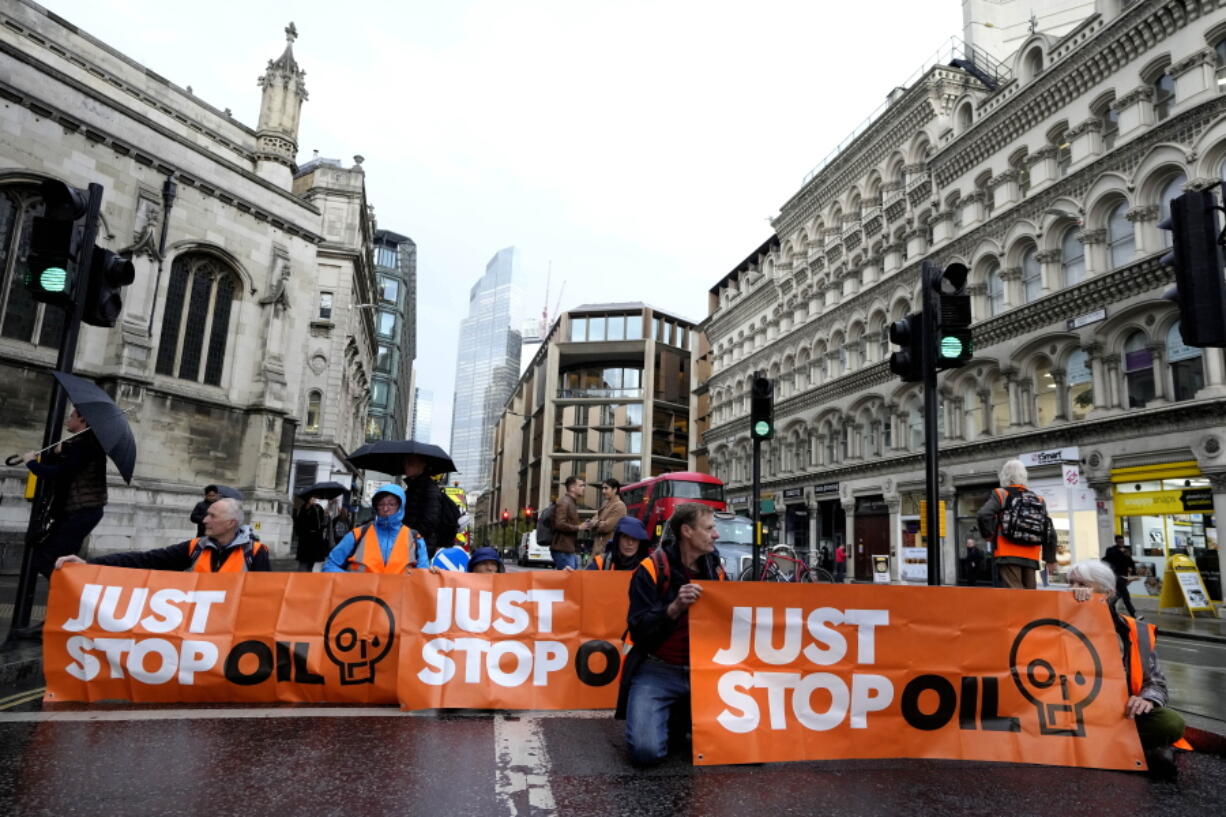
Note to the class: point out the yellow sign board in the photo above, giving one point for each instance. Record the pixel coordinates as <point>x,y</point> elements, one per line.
<point>1182,586</point>
<point>923,517</point>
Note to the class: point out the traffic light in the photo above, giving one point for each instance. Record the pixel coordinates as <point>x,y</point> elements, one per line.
<point>506,517</point>
<point>762,408</point>
<point>108,273</point>
<point>528,512</point>
<point>908,363</point>
<point>55,244</point>
<point>1196,253</point>
<point>953,323</point>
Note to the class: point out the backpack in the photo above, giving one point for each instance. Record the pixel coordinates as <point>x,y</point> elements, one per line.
<point>1023,517</point>
<point>544,526</point>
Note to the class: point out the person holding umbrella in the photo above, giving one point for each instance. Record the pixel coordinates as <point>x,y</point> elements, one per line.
<point>383,545</point>
<point>76,472</point>
<point>312,525</point>
<point>427,509</point>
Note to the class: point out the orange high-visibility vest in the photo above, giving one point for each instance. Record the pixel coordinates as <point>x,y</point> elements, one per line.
<point>238,560</point>
<point>1141,640</point>
<point>1007,547</point>
<point>368,558</point>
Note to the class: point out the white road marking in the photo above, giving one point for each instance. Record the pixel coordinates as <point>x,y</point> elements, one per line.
<point>522,761</point>
<point>101,715</point>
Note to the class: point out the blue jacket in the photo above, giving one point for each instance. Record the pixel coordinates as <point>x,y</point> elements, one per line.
<point>386,529</point>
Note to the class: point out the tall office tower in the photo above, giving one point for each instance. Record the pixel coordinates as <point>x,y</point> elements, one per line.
<point>396,331</point>
<point>423,413</point>
<point>487,368</point>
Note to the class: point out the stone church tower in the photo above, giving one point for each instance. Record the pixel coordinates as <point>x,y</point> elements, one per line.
<point>276,135</point>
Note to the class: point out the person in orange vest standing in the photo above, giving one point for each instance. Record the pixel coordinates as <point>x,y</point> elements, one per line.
<point>228,546</point>
<point>384,545</point>
<point>1159,728</point>
<point>1015,521</point>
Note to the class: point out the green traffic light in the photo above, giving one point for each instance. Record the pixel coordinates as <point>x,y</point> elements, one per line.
<point>53,279</point>
<point>761,428</point>
<point>951,346</point>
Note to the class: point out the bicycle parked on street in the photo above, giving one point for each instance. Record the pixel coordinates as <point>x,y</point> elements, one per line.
<point>783,565</point>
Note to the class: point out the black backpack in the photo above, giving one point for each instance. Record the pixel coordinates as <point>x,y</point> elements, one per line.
<point>544,525</point>
<point>1023,517</point>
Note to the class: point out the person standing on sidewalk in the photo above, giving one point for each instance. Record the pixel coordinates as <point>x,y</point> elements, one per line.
<point>566,526</point>
<point>1119,558</point>
<point>840,563</point>
<point>1015,519</point>
<point>612,509</point>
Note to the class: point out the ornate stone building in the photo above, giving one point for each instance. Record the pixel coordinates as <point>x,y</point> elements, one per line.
<point>215,350</point>
<point>1045,170</point>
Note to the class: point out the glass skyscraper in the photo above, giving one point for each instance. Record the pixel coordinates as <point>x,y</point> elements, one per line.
<point>487,368</point>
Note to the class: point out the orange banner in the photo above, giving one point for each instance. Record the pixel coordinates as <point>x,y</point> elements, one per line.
<point>535,640</point>
<point>157,636</point>
<point>810,672</point>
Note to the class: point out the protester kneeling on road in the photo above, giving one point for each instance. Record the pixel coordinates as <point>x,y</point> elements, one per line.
<point>228,546</point>
<point>486,560</point>
<point>626,550</point>
<point>1157,726</point>
<point>383,545</point>
<point>655,684</point>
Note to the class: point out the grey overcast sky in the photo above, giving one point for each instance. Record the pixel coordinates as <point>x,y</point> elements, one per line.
<point>636,147</point>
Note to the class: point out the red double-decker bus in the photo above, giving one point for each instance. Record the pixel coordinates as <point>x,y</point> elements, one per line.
<point>653,501</point>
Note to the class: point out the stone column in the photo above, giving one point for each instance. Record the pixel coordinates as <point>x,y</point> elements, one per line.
<point>1015,408</point>
<point>1012,280</point>
<point>849,535</point>
<point>949,544</point>
<point>1213,375</point>
<point>1098,373</point>
<point>1112,363</point>
<point>1146,237</point>
<point>811,507</point>
<point>1217,482</point>
<point>1094,242</point>
<point>1063,409</point>
<point>894,505</point>
<point>985,401</point>
<point>1158,350</point>
<point>1051,271</point>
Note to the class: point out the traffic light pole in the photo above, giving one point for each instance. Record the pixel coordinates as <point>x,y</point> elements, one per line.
<point>756,509</point>
<point>24,602</point>
<point>932,474</point>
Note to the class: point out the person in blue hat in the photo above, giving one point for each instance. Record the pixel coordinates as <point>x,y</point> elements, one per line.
<point>486,560</point>
<point>384,545</point>
<point>626,550</point>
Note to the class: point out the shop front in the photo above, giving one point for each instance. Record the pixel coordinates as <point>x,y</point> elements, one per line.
<point>967,502</point>
<point>830,524</point>
<point>796,521</point>
<point>912,549</point>
<point>1164,510</point>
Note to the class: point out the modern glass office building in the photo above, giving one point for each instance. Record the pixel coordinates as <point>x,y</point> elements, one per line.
<point>391,388</point>
<point>487,367</point>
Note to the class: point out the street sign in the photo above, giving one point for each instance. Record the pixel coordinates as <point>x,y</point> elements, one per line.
<point>923,517</point>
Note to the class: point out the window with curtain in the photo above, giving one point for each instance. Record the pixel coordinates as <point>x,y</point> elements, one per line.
<point>200,295</point>
<point>995,291</point>
<point>25,319</point>
<point>314,401</point>
<point>1079,379</point>
<point>1121,244</point>
<point>1138,370</point>
<point>1072,257</point>
<point>1187,366</point>
<point>1032,278</point>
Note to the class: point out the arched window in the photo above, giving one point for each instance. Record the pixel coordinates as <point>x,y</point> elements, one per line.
<point>1120,241</point>
<point>966,116</point>
<point>24,318</point>
<point>314,400</point>
<point>1080,380</point>
<point>1034,63</point>
<point>1072,258</point>
<point>995,291</point>
<point>1032,279</point>
<point>1138,370</point>
<point>196,322</point>
<point>1046,395</point>
<point>1164,95</point>
<point>1170,190</point>
<point>1187,368</point>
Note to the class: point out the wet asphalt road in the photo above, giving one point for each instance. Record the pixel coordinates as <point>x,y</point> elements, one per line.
<point>175,761</point>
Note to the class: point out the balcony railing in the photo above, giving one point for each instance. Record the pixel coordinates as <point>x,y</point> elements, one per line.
<point>600,394</point>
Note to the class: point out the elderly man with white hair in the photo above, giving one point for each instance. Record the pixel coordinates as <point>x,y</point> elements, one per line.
<point>228,546</point>
<point>1015,521</point>
<point>1157,726</point>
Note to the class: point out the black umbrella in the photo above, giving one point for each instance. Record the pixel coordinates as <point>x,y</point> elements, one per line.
<point>226,492</point>
<point>105,419</point>
<point>388,456</point>
<point>324,490</point>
